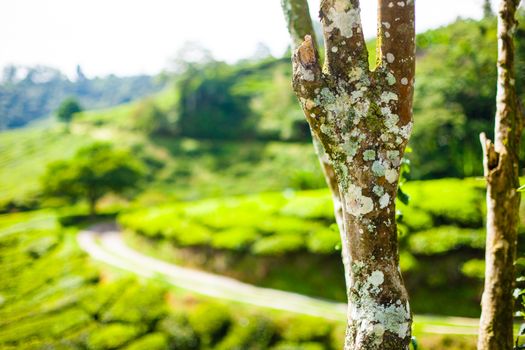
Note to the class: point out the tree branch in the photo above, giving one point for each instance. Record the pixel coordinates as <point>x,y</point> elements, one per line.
<point>343,34</point>
<point>297,15</point>
<point>396,49</point>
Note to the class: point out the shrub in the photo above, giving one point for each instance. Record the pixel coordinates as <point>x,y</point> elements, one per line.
<point>138,304</point>
<point>474,268</point>
<point>286,225</point>
<point>415,219</point>
<point>235,238</point>
<point>299,346</point>
<point>278,244</point>
<point>310,205</point>
<point>112,336</point>
<point>449,201</point>
<point>306,180</point>
<point>153,341</point>
<point>324,241</point>
<point>210,322</point>
<point>98,297</point>
<point>252,332</point>
<point>188,233</point>
<point>445,238</point>
<point>179,332</point>
<point>306,329</point>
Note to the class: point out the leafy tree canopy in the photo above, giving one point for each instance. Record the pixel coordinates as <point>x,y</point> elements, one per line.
<point>94,171</point>
<point>67,108</point>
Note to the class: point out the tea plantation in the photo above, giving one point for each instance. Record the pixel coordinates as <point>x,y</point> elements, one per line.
<point>288,241</point>
<point>52,297</point>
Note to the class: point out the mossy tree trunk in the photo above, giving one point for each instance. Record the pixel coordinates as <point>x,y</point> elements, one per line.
<point>362,119</point>
<point>502,175</point>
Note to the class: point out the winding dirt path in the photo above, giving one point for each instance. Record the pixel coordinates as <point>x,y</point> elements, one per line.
<point>104,243</point>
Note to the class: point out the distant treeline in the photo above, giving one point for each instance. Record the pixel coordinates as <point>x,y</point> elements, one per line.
<point>29,93</point>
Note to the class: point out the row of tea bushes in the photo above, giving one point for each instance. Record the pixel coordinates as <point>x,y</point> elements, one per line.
<point>278,239</point>
<point>279,223</point>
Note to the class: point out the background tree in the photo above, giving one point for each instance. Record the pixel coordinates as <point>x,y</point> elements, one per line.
<point>209,106</point>
<point>151,119</point>
<point>501,169</point>
<point>363,120</point>
<point>94,171</point>
<point>67,108</point>
<point>487,9</point>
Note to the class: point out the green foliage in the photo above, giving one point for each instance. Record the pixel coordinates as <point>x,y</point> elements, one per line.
<point>287,345</point>
<point>24,154</point>
<point>94,171</point>
<point>307,329</point>
<point>278,245</point>
<point>210,322</point>
<point>179,332</point>
<point>445,238</point>
<point>112,336</point>
<point>146,307</point>
<point>148,117</point>
<point>153,341</point>
<point>455,96</point>
<point>324,241</point>
<point>253,332</point>
<point>277,224</point>
<point>267,224</point>
<point>448,201</point>
<point>67,109</point>
<point>474,268</point>
<point>208,105</point>
<point>234,238</point>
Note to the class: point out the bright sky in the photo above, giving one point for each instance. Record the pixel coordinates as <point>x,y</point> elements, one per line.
<point>141,36</point>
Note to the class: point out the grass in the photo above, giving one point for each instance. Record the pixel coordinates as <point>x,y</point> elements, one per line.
<point>24,155</point>
<point>178,168</point>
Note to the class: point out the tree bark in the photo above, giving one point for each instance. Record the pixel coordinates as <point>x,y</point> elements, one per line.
<point>363,120</point>
<point>502,175</point>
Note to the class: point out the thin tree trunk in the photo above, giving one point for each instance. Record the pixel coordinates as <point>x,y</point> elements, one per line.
<point>363,120</point>
<point>502,175</point>
<point>92,207</point>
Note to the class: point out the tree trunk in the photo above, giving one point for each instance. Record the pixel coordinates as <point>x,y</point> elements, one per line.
<point>92,207</point>
<point>502,175</point>
<point>363,120</point>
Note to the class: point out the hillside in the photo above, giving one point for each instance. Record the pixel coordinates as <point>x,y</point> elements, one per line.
<point>230,129</point>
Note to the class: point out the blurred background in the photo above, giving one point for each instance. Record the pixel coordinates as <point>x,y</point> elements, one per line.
<point>141,137</point>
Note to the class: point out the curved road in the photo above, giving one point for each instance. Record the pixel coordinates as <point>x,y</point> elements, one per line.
<point>104,243</point>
